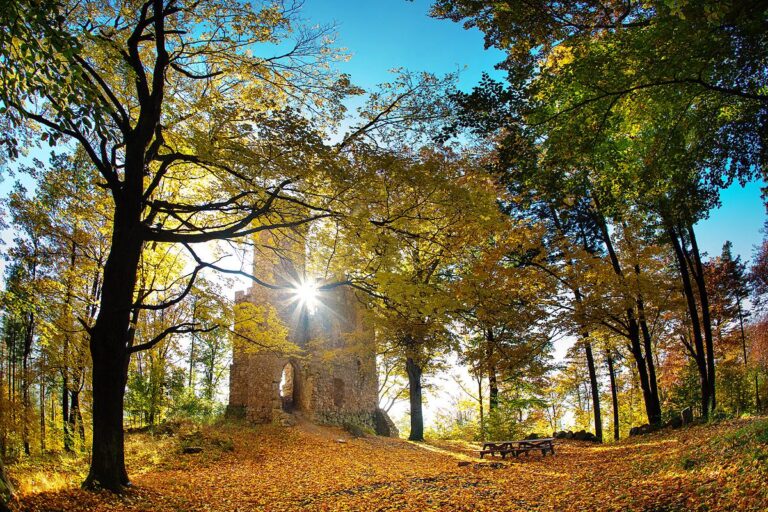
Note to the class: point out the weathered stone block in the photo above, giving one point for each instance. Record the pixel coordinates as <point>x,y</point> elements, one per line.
<point>236,412</point>
<point>384,424</point>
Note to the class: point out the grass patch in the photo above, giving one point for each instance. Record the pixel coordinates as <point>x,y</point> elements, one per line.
<point>756,431</point>
<point>51,472</point>
<point>748,444</point>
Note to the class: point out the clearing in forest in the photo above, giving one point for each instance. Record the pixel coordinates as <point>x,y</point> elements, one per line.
<point>722,466</point>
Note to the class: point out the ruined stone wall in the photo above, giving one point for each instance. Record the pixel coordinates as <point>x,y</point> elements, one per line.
<point>345,381</point>
<point>335,376</point>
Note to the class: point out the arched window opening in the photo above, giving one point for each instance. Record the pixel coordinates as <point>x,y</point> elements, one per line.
<point>287,387</point>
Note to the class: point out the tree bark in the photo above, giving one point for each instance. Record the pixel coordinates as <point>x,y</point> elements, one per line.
<point>42,412</point>
<point>744,351</point>
<point>648,347</point>
<point>480,402</point>
<point>697,350</point>
<point>493,384</point>
<point>594,389</point>
<point>76,417</point>
<point>493,392</point>
<point>706,320</point>
<point>28,337</point>
<point>413,370</point>
<point>647,378</point>
<point>614,395</point>
<point>109,344</point>
<point>68,431</point>
<point>191,375</point>
<point>65,407</point>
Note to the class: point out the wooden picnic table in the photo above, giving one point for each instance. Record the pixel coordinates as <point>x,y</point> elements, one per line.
<point>545,444</point>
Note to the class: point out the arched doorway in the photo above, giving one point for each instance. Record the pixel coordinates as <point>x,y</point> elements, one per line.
<point>288,388</point>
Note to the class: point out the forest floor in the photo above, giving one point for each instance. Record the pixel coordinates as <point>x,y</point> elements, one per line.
<point>717,467</point>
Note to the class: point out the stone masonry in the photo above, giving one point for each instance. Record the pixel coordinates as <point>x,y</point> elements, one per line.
<point>333,379</point>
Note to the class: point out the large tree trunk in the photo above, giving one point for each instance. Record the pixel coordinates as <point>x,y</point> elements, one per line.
<point>594,389</point>
<point>107,468</point>
<point>414,395</point>
<point>614,395</point>
<point>109,348</point>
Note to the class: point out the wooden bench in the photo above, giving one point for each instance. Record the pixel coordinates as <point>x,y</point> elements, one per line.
<point>517,447</point>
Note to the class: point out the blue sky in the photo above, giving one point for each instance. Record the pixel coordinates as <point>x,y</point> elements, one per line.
<point>386,34</point>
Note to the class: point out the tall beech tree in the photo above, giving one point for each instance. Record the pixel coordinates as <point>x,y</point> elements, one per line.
<point>188,123</point>
<point>505,310</point>
<point>676,112</point>
<point>424,211</point>
<point>708,47</point>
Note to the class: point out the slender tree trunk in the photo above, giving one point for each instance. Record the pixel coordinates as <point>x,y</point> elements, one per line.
<point>705,317</point>
<point>614,395</point>
<point>648,348</point>
<point>480,403</point>
<point>3,430</point>
<point>414,394</point>
<point>555,421</point>
<point>42,411</point>
<point>652,407</point>
<point>191,362</point>
<point>647,378</point>
<point>579,404</point>
<point>698,342</point>
<point>744,352</point>
<point>25,382</point>
<point>76,416</point>
<point>642,321</point>
<point>594,389</point>
<point>493,393</point>
<point>191,378</point>
<point>65,352</point>
<point>65,407</point>
<point>493,385</point>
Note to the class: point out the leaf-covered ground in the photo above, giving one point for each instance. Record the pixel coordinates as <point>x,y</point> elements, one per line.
<point>712,467</point>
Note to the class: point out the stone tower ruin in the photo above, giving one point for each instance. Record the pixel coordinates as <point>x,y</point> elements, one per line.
<point>332,378</point>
